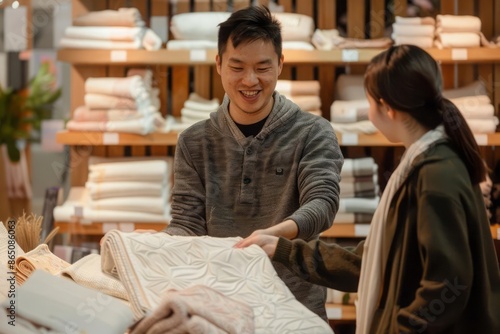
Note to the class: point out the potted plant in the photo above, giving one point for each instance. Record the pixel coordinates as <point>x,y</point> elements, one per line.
<point>21,112</point>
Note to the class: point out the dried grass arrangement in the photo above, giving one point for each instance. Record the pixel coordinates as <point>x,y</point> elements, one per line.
<point>28,230</point>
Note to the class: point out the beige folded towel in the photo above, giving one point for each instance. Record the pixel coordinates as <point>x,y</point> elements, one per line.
<point>105,33</point>
<point>39,258</point>
<point>80,43</point>
<point>295,27</point>
<point>458,40</point>
<point>412,30</point>
<point>144,171</point>
<point>198,309</point>
<point>123,17</point>
<point>420,41</point>
<point>306,102</point>
<point>298,87</point>
<point>416,20</point>
<point>458,23</point>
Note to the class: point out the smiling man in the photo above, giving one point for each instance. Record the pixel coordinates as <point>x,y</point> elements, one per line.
<point>259,162</point>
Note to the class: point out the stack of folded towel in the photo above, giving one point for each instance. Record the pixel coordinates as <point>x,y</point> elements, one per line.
<point>359,191</point>
<point>349,112</point>
<point>198,30</point>
<point>110,29</point>
<point>197,108</point>
<point>121,191</point>
<point>304,93</point>
<point>458,31</point>
<point>127,104</point>
<point>475,105</point>
<point>417,31</point>
<point>329,39</point>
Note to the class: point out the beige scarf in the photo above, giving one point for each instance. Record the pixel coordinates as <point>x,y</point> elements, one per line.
<point>370,282</point>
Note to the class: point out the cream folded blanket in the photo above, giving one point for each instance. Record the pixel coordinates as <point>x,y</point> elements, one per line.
<point>458,40</point>
<point>197,310</point>
<point>152,205</point>
<point>420,41</point>
<point>297,45</point>
<point>132,87</point>
<point>295,27</point>
<point>123,17</point>
<point>298,87</point>
<point>412,30</point>
<point>105,33</point>
<point>358,167</point>
<point>85,114</point>
<point>175,44</point>
<point>87,272</point>
<point>350,87</point>
<point>483,125</point>
<point>104,101</point>
<point>100,190</point>
<point>416,20</point>
<point>358,205</point>
<point>458,23</point>
<point>306,102</point>
<point>349,111</point>
<point>80,43</point>
<point>196,102</point>
<point>197,25</point>
<point>360,127</point>
<point>143,171</point>
<point>476,88</point>
<point>151,264</point>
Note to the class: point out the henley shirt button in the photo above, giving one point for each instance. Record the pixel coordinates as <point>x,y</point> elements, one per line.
<point>246,180</point>
<point>249,151</point>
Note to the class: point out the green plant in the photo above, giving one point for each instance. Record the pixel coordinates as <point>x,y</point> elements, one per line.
<point>22,112</point>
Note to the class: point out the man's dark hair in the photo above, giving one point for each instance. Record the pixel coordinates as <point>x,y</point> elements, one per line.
<point>248,25</point>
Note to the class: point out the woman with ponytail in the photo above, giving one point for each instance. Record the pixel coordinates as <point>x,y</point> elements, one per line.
<point>428,264</point>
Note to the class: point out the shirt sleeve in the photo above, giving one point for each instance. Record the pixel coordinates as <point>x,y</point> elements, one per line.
<point>318,181</point>
<point>321,263</point>
<point>188,197</point>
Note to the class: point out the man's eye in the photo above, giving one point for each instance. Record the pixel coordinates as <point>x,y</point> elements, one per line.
<point>263,69</point>
<point>237,69</point>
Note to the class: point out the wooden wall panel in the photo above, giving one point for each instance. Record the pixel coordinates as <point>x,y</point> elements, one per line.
<point>327,13</point>
<point>377,18</point>
<point>356,18</point>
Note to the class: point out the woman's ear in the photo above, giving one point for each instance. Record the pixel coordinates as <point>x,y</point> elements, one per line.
<point>385,107</point>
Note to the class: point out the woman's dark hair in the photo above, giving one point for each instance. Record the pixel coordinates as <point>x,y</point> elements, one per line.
<point>408,79</point>
<point>248,25</point>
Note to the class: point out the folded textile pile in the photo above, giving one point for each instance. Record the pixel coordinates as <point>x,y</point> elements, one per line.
<point>458,31</point>
<point>340,297</point>
<point>304,93</point>
<point>198,30</point>
<point>119,104</point>
<point>110,29</point>
<point>417,31</point>
<point>121,191</point>
<point>475,105</point>
<point>198,310</point>
<point>151,264</point>
<point>39,258</point>
<point>329,39</point>
<point>359,191</point>
<point>349,110</point>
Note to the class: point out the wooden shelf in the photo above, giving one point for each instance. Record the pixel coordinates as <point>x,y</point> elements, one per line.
<point>77,228</point>
<point>114,138</point>
<point>170,139</point>
<point>346,230</point>
<point>341,312</point>
<point>313,57</point>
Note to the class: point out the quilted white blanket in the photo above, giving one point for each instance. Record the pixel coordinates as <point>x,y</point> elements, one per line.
<point>150,264</point>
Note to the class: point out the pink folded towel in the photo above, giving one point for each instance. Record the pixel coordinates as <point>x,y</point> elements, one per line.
<point>197,310</point>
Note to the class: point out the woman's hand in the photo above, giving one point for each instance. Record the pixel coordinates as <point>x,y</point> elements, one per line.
<point>260,238</point>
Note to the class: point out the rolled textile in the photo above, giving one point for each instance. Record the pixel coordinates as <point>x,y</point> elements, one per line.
<point>143,171</point>
<point>365,127</point>
<point>350,87</point>
<point>191,44</point>
<point>100,190</point>
<point>358,167</point>
<point>105,33</point>
<point>39,258</point>
<point>150,40</point>
<point>79,43</point>
<point>458,23</point>
<point>295,27</point>
<point>198,309</point>
<point>150,264</point>
<point>132,87</point>
<point>153,205</point>
<point>349,111</point>
<point>416,20</point>
<point>306,102</point>
<point>87,272</point>
<point>458,40</point>
<point>413,30</point>
<point>123,17</point>
<point>197,25</point>
<point>420,41</point>
<point>196,102</point>
<point>298,87</point>
<point>76,208</point>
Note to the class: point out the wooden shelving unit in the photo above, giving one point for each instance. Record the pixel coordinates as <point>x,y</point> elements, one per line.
<point>295,57</point>
<point>77,228</point>
<point>341,312</point>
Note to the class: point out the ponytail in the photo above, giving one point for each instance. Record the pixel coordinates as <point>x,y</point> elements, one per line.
<point>463,141</point>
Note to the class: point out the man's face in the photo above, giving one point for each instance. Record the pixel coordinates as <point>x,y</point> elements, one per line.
<point>249,74</point>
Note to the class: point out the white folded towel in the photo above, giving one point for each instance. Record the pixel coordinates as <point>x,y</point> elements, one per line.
<point>295,27</point>
<point>416,20</point>
<point>349,111</point>
<point>143,171</point>
<point>80,43</point>
<point>458,23</point>
<point>100,190</point>
<point>175,44</point>
<point>458,40</point>
<point>361,127</point>
<point>420,41</point>
<point>152,205</point>
<point>105,33</point>
<point>413,30</point>
<point>197,25</point>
